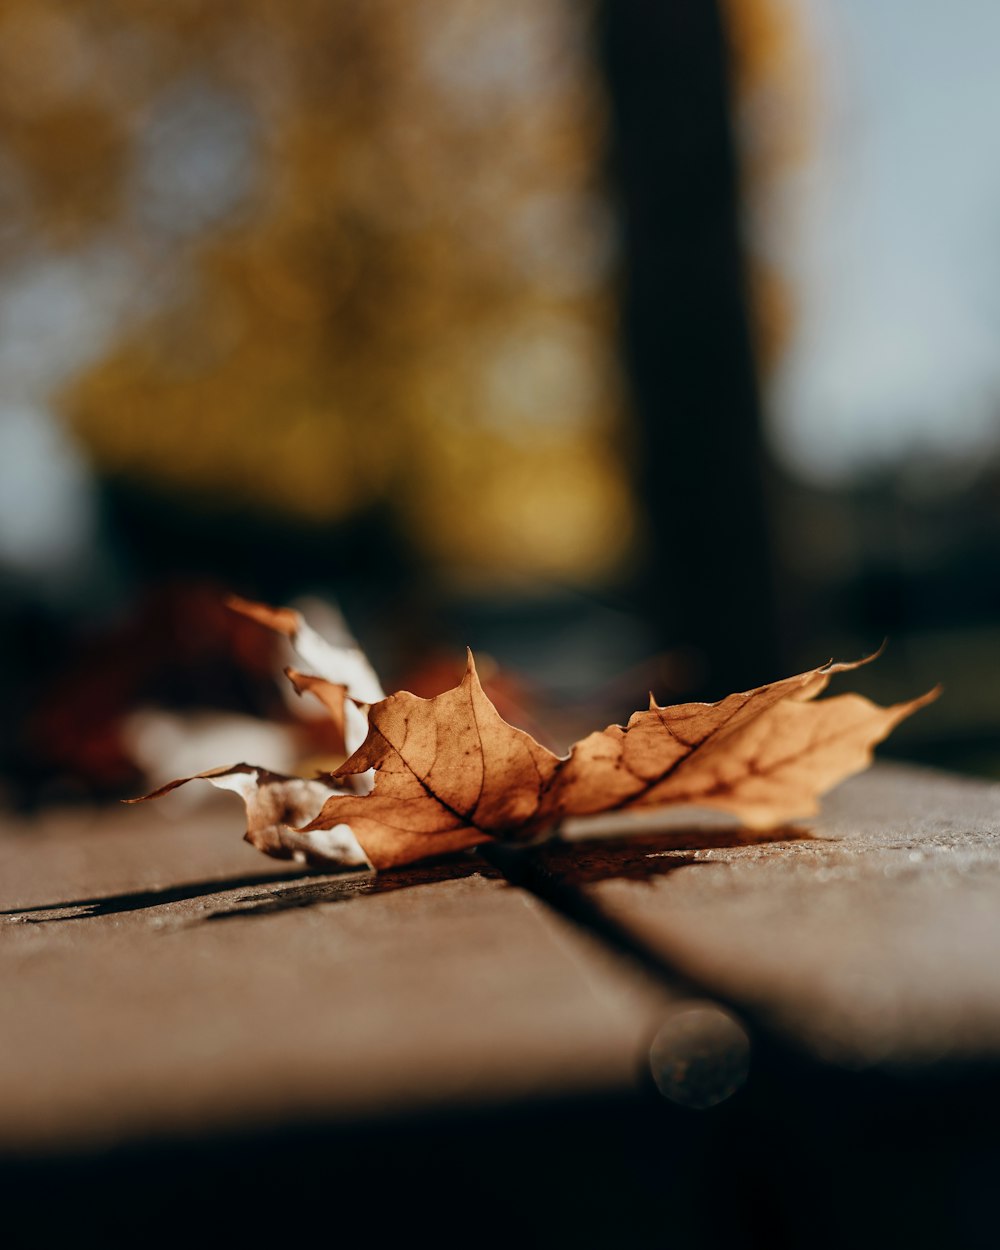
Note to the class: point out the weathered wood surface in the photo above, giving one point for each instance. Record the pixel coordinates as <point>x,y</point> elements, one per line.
<point>298,999</point>
<point>158,977</point>
<point>872,936</point>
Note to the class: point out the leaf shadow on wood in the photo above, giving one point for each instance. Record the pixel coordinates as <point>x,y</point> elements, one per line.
<point>141,900</point>
<point>581,862</point>
<point>349,886</point>
<point>646,856</point>
<point>640,857</point>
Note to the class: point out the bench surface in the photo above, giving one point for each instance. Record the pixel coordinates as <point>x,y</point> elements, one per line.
<point>160,977</point>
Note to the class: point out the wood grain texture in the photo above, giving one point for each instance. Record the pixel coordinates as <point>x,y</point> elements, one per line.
<point>158,977</point>
<point>876,940</point>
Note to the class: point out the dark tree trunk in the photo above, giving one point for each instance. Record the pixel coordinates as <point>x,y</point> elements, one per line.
<point>708,582</point>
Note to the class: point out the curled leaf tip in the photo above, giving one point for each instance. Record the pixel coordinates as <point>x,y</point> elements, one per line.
<point>282,620</point>
<point>848,666</point>
<point>302,683</point>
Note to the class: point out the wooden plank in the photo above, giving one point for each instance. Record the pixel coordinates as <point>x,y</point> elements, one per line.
<point>873,936</point>
<point>197,993</point>
<point>202,988</point>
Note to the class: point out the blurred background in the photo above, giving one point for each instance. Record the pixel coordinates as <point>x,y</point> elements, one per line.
<point>634,345</point>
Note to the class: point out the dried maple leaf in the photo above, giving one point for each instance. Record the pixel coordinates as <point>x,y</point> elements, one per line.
<point>765,755</point>
<point>276,806</point>
<point>341,676</point>
<point>450,772</point>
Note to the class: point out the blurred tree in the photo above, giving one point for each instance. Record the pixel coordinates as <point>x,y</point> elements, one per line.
<point>362,258</point>
<point>687,337</point>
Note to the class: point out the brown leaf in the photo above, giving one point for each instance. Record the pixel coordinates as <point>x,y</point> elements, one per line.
<point>765,755</point>
<point>449,772</point>
<point>330,694</point>
<point>332,664</point>
<point>277,806</point>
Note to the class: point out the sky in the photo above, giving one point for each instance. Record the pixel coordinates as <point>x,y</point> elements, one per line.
<point>895,251</point>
